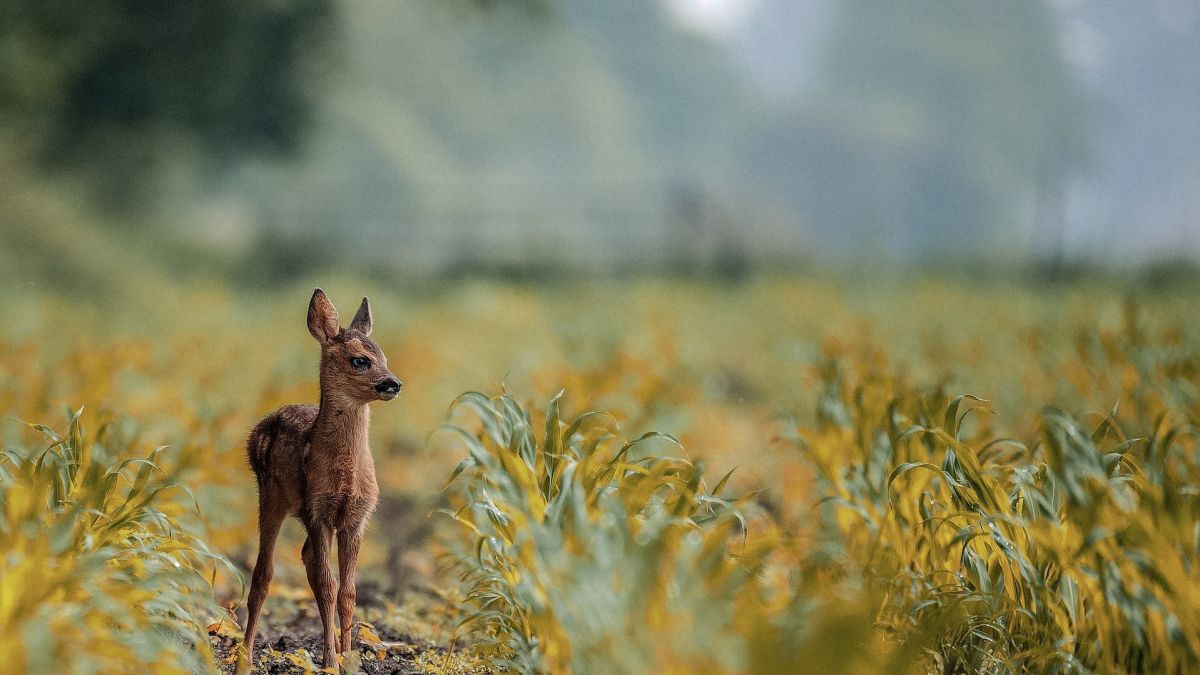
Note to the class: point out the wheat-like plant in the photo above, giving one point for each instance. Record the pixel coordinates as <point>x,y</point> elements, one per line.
<point>99,571</point>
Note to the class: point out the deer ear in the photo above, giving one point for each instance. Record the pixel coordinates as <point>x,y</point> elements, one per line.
<point>362,319</point>
<point>322,318</point>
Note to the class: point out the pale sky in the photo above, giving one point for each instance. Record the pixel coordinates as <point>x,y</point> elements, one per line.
<point>721,18</point>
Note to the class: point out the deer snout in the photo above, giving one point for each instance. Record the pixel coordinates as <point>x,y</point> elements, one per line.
<point>388,388</point>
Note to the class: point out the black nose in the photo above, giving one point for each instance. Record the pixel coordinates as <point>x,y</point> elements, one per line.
<point>388,386</point>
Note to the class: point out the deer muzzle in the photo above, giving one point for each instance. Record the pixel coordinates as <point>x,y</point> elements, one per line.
<point>388,389</point>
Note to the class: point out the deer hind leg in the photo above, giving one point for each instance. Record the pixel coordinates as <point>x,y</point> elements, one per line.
<point>348,542</point>
<point>320,578</point>
<point>269,521</point>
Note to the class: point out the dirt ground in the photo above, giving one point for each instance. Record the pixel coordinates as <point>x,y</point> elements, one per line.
<point>289,638</point>
<point>405,621</point>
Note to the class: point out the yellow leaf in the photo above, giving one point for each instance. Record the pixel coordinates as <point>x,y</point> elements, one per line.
<point>226,627</point>
<point>366,633</point>
<point>301,658</point>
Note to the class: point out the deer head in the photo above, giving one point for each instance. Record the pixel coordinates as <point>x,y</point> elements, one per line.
<point>353,368</point>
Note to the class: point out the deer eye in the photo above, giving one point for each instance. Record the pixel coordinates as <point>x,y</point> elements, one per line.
<point>360,362</point>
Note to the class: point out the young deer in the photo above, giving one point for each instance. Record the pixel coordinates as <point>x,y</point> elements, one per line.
<point>313,462</point>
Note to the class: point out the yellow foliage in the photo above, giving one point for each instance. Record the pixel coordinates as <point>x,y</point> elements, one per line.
<point>805,385</point>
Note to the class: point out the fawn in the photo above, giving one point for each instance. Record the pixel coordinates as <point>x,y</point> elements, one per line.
<point>313,462</point>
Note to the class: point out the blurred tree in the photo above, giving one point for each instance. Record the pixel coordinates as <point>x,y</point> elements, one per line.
<point>508,132</point>
<point>936,126</point>
<point>109,90</point>
<point>694,104</point>
<point>1143,61</point>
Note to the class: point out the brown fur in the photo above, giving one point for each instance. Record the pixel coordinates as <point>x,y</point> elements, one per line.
<point>313,463</point>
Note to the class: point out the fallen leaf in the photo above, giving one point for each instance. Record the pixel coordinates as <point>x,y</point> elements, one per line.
<point>226,627</point>
<point>366,633</point>
<point>301,658</point>
<point>351,663</point>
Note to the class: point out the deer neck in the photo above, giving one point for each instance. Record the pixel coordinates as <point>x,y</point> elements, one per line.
<point>341,425</point>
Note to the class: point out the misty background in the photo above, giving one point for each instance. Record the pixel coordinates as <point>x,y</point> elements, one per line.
<point>258,140</point>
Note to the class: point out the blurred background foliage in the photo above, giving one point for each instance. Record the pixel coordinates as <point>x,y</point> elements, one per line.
<point>263,139</point>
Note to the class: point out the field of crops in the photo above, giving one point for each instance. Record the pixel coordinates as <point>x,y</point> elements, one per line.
<point>844,474</point>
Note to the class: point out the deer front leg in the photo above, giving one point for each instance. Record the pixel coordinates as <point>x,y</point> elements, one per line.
<point>320,578</point>
<point>348,542</point>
